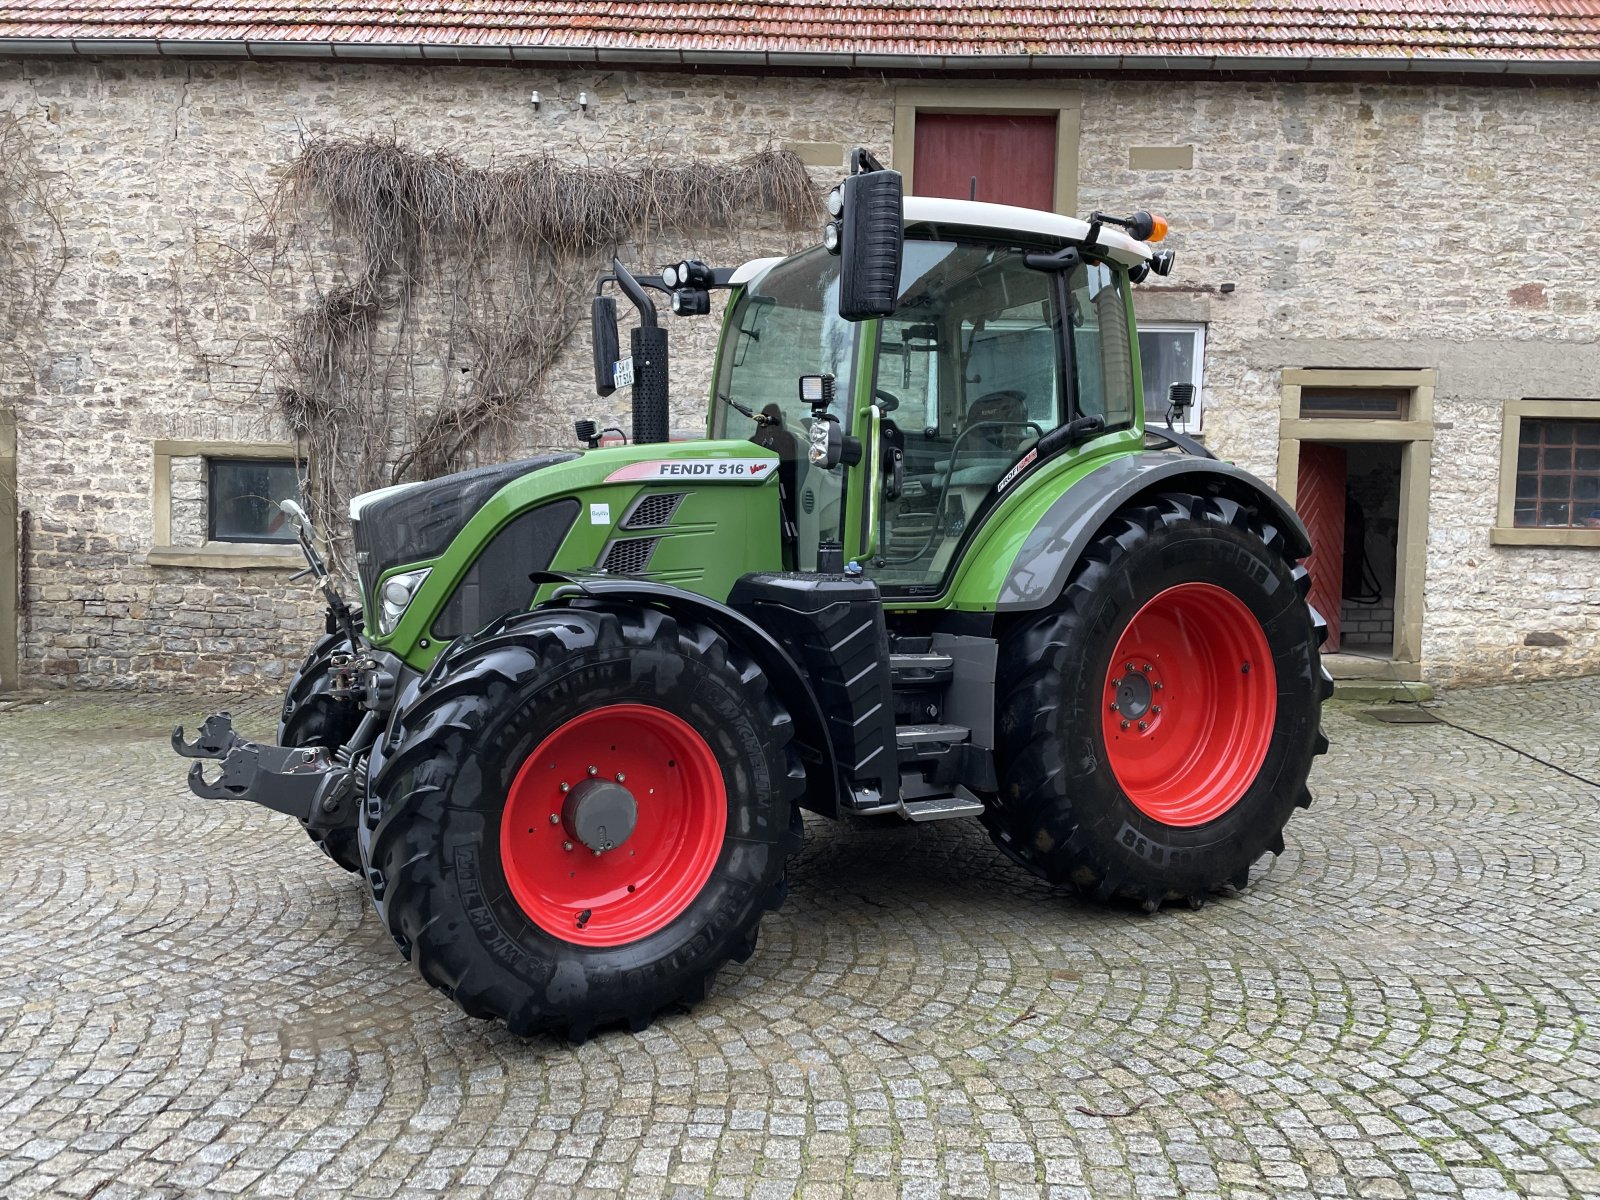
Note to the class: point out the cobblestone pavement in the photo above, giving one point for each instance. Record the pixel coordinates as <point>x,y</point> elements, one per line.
<point>193,1002</point>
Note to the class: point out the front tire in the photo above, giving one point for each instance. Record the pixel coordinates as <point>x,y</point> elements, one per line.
<point>585,815</point>
<point>1157,727</point>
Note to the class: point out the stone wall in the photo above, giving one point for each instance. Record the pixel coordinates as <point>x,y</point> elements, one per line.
<point>1362,225</point>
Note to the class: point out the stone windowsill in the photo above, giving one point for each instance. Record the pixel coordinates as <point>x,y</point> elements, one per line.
<point>1540,535</point>
<point>229,556</point>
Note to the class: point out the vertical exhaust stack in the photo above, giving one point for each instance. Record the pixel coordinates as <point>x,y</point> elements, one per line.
<point>649,383</point>
<point>649,361</point>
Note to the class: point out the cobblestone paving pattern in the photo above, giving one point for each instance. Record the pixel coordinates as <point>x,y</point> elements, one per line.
<point>193,1002</point>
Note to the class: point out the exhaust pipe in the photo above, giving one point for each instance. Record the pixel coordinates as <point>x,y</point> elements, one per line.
<point>649,346</point>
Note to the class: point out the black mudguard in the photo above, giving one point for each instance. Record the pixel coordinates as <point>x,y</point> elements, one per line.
<point>1042,565</point>
<point>811,728</point>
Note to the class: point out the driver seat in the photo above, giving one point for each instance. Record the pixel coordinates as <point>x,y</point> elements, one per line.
<point>1006,408</point>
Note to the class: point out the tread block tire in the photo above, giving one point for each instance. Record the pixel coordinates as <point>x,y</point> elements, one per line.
<point>312,717</point>
<point>1062,811</point>
<point>451,762</point>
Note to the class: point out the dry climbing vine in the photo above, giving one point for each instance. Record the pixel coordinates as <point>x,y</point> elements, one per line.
<point>491,266</point>
<point>32,245</point>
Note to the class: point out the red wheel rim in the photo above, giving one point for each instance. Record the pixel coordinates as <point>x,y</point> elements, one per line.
<point>650,876</point>
<point>1189,704</point>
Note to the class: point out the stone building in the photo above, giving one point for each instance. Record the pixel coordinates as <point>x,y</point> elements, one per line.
<point>1384,230</point>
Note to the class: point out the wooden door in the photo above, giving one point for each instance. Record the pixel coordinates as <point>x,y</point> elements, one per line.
<point>1012,158</point>
<point>1319,499</point>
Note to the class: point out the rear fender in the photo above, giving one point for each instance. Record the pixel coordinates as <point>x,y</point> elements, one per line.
<point>1042,565</point>
<point>811,730</point>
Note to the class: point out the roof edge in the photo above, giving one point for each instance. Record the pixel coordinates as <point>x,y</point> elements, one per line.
<point>866,61</point>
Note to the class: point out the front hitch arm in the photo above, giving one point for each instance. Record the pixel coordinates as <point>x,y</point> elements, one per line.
<point>214,739</point>
<point>306,782</point>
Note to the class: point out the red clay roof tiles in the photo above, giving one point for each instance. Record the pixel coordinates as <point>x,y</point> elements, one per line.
<point>1525,30</point>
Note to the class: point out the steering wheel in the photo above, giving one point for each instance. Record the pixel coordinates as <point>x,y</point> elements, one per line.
<point>887,401</point>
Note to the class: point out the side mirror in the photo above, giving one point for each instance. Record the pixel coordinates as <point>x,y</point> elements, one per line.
<point>607,347</point>
<point>868,235</point>
<point>297,518</point>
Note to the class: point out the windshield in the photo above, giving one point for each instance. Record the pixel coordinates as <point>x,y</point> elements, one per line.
<point>784,325</point>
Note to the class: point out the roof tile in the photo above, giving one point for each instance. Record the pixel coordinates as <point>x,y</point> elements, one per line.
<point>1528,30</point>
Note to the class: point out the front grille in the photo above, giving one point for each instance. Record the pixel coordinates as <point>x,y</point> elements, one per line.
<point>629,557</point>
<point>652,512</point>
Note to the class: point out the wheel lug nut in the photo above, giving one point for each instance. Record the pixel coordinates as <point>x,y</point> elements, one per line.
<point>594,770</point>
<point>1143,725</point>
<point>566,787</point>
<point>1113,706</point>
<point>566,845</point>
<point>1157,686</point>
<point>1148,667</point>
<point>597,854</point>
<point>1124,724</point>
<point>620,776</point>
<point>1156,711</point>
<point>555,819</point>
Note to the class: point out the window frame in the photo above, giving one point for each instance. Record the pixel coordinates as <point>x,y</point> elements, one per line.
<point>223,555</point>
<point>1197,413</point>
<point>212,462</point>
<point>1505,532</point>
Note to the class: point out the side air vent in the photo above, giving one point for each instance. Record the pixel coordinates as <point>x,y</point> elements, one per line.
<point>808,500</point>
<point>629,557</point>
<point>652,512</point>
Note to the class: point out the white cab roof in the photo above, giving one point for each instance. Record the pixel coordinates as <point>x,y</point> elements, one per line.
<point>974,214</point>
<point>934,210</point>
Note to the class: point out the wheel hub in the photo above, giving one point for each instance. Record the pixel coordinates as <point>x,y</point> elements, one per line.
<point>600,814</point>
<point>1134,693</point>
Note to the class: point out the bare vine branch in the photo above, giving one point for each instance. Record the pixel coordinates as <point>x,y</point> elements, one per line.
<point>506,253</point>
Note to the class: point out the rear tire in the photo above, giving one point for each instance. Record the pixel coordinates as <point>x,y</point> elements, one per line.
<point>313,717</point>
<point>1139,756</point>
<point>469,819</point>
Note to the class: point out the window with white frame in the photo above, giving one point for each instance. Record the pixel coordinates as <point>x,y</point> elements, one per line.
<point>1171,352</point>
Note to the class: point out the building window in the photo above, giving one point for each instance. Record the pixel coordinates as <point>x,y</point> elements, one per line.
<point>1550,474</point>
<point>1558,474</point>
<point>1171,352</point>
<point>214,505</point>
<point>242,497</point>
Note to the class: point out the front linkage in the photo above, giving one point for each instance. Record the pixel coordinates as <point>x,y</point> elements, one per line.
<point>318,785</point>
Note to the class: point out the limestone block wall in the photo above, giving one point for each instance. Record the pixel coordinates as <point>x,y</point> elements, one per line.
<point>1362,225</point>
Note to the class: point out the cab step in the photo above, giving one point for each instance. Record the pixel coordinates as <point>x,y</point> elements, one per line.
<point>961,803</point>
<point>921,670</point>
<point>926,739</point>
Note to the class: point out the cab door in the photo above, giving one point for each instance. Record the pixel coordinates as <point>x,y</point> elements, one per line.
<point>969,374</point>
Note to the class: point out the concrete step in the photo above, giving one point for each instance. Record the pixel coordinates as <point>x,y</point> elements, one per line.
<point>1382,691</point>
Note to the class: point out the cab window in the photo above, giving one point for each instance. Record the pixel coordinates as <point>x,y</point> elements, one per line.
<point>970,375</point>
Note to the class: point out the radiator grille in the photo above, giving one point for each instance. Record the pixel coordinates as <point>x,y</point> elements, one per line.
<point>630,556</point>
<point>652,512</point>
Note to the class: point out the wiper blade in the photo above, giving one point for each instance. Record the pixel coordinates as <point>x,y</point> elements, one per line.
<point>758,418</point>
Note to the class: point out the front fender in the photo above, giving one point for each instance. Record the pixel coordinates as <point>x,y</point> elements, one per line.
<point>1048,554</point>
<point>811,729</point>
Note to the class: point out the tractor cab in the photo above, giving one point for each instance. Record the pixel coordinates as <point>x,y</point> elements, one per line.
<point>1002,352</point>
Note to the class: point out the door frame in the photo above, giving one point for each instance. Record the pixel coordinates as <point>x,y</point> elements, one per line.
<point>9,567</point>
<point>1415,438</point>
<point>1064,104</point>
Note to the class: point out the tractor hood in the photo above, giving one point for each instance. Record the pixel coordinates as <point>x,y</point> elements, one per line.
<point>415,521</point>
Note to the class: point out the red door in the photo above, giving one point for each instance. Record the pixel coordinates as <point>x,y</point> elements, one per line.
<point>1013,158</point>
<point>1319,499</point>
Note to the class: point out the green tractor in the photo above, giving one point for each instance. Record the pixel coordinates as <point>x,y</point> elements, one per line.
<point>928,562</point>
